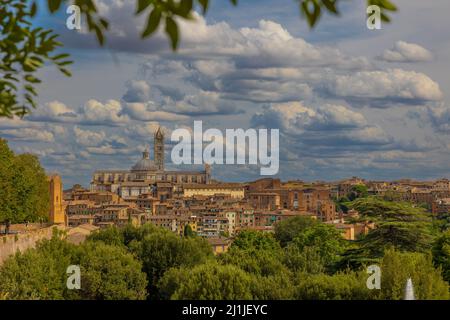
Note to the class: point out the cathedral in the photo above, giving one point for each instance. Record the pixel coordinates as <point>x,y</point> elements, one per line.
<point>146,174</point>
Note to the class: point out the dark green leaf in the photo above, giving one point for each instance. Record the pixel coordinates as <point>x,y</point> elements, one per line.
<point>172,31</point>
<point>386,4</point>
<point>330,5</point>
<point>53,5</point>
<point>142,5</point>
<point>99,34</point>
<point>152,22</point>
<point>33,9</point>
<point>185,7</point>
<point>66,72</point>
<point>385,18</point>
<point>61,56</point>
<point>204,4</point>
<point>312,11</point>
<point>32,79</point>
<point>104,23</point>
<point>30,89</point>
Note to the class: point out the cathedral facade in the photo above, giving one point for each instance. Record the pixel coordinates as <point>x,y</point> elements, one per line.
<point>146,174</point>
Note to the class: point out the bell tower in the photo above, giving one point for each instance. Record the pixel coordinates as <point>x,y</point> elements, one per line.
<point>56,214</point>
<point>159,149</point>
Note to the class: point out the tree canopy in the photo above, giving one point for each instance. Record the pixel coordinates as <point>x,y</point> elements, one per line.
<point>150,262</point>
<point>158,249</point>
<point>107,272</point>
<point>398,225</point>
<point>24,192</point>
<point>441,254</point>
<point>286,230</point>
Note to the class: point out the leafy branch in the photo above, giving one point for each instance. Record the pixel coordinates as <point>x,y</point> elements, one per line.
<point>24,50</point>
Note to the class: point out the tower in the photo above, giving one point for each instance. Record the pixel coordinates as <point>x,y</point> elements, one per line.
<point>159,149</point>
<point>56,214</point>
<point>207,173</point>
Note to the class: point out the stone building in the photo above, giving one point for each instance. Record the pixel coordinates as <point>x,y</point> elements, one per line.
<point>144,176</point>
<point>441,207</point>
<point>234,190</point>
<point>56,214</point>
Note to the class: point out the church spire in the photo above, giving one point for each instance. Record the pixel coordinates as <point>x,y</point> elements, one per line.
<point>159,149</point>
<point>146,153</point>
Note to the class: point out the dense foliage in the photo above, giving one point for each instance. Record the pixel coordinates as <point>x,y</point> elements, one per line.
<point>24,192</point>
<point>107,272</point>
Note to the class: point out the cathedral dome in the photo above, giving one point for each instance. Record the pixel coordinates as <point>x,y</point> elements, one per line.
<point>145,164</point>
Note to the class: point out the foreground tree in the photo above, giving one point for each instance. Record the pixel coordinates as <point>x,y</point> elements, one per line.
<point>110,273</point>
<point>209,281</point>
<point>38,273</point>
<point>325,238</point>
<point>161,250</point>
<point>287,230</point>
<point>24,194</point>
<point>340,286</point>
<point>441,254</point>
<point>397,267</point>
<point>111,235</point>
<point>107,272</point>
<point>255,240</point>
<point>188,232</point>
<point>304,260</point>
<point>258,262</point>
<point>397,224</point>
<point>7,198</point>
<point>358,191</point>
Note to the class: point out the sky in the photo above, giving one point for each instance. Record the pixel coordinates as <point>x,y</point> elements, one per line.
<point>348,101</point>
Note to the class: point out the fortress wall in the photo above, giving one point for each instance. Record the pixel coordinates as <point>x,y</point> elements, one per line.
<point>10,244</point>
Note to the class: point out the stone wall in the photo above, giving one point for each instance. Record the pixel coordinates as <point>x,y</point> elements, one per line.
<point>12,243</point>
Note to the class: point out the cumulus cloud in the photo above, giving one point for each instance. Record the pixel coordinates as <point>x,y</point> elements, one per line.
<point>41,152</point>
<point>109,113</point>
<point>108,149</point>
<point>88,138</point>
<point>137,91</point>
<point>202,103</point>
<point>93,112</point>
<point>440,117</point>
<point>54,111</point>
<point>267,64</point>
<point>329,125</point>
<point>29,134</point>
<point>15,122</point>
<point>406,52</point>
<point>150,112</point>
<point>294,117</point>
<point>392,85</point>
<point>146,130</point>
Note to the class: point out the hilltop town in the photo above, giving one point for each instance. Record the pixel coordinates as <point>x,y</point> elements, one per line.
<point>189,201</point>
